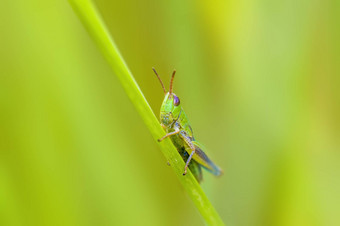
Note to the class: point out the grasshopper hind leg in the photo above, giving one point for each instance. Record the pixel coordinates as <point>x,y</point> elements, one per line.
<point>194,167</point>
<point>188,162</point>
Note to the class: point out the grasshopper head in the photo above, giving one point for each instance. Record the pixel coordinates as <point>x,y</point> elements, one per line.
<point>170,109</point>
<point>171,106</point>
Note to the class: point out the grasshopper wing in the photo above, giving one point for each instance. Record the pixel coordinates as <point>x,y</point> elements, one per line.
<point>201,158</point>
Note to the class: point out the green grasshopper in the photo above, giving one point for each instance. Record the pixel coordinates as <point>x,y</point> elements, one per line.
<point>176,124</point>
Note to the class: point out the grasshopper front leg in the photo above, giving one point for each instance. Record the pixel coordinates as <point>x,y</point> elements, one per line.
<point>187,141</point>
<point>169,134</point>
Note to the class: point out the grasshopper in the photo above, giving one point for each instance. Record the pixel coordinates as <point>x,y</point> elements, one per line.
<point>177,127</point>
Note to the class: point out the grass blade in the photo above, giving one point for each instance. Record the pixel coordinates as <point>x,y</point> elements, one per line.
<point>96,28</point>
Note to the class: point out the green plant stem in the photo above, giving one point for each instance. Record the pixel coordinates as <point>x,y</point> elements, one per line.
<point>93,23</point>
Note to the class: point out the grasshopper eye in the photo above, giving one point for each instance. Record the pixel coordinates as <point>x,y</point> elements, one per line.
<point>176,101</point>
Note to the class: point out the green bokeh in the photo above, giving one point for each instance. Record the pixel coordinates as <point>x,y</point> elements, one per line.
<point>259,81</point>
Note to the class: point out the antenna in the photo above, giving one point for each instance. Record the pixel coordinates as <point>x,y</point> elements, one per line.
<point>172,80</point>
<point>159,80</point>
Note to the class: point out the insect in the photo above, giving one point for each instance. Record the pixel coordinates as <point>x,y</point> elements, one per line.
<point>177,127</point>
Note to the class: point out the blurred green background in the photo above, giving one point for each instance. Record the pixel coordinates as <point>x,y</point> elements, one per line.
<point>259,81</point>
